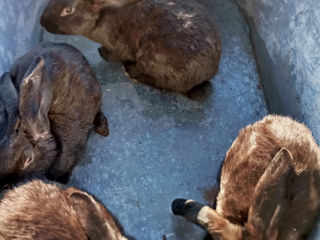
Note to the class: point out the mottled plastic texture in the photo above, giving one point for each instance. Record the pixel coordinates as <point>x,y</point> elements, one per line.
<point>161,145</point>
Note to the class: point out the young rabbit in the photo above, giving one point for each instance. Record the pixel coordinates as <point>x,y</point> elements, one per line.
<point>39,210</point>
<point>171,45</point>
<point>269,187</point>
<point>59,101</point>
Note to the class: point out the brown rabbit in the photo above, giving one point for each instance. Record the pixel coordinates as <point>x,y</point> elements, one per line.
<point>171,45</point>
<point>38,210</point>
<point>269,187</point>
<point>48,114</point>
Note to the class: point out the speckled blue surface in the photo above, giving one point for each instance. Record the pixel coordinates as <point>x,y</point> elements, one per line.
<point>163,146</point>
<point>19,29</point>
<point>286,35</point>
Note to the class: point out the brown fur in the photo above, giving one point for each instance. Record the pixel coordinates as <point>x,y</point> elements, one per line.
<point>38,210</point>
<point>269,184</point>
<point>171,45</point>
<point>58,101</point>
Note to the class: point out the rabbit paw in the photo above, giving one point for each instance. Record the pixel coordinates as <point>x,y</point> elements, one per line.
<point>107,55</point>
<point>101,124</point>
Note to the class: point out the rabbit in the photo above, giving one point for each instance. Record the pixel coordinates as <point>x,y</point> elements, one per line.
<point>170,45</point>
<point>55,99</point>
<point>38,209</point>
<point>269,188</point>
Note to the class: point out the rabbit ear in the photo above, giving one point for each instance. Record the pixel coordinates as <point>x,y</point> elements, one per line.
<point>94,218</point>
<point>8,92</point>
<point>271,197</point>
<point>217,226</point>
<point>35,100</point>
<point>9,104</point>
<point>3,120</point>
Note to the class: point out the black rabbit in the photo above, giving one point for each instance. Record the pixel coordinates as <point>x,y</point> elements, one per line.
<point>54,101</point>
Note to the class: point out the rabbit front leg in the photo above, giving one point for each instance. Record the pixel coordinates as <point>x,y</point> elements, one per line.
<point>101,124</point>
<point>73,141</point>
<point>62,169</point>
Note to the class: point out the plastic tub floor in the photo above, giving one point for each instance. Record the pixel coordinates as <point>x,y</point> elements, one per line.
<point>162,145</point>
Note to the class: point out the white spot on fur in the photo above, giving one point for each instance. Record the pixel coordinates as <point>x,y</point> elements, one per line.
<point>186,18</point>
<point>202,216</point>
<point>253,142</point>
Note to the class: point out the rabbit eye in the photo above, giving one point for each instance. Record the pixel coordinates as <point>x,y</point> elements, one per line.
<point>67,11</point>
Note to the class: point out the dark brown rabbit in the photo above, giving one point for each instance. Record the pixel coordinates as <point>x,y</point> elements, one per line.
<point>172,45</point>
<point>38,210</point>
<point>269,187</point>
<point>54,103</point>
